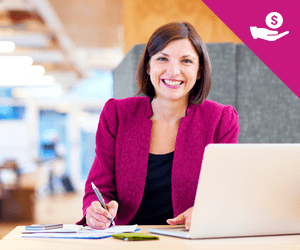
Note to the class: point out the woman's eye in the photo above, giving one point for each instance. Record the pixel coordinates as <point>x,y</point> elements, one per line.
<point>187,61</point>
<point>161,59</point>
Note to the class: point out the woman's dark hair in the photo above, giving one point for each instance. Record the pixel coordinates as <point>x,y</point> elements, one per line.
<point>158,41</point>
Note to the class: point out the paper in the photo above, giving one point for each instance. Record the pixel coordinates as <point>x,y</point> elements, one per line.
<point>119,229</point>
<point>81,233</point>
<point>94,235</point>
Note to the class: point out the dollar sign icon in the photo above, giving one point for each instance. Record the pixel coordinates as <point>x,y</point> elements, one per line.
<point>274,20</point>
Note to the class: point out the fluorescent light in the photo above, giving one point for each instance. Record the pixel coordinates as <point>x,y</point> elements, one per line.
<point>7,47</point>
<point>47,91</point>
<point>21,72</point>
<point>27,39</point>
<point>15,61</point>
<point>33,81</point>
<point>43,56</point>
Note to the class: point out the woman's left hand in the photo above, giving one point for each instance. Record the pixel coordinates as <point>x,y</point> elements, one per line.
<point>184,218</point>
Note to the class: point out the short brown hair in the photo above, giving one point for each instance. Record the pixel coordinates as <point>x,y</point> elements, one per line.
<point>158,41</point>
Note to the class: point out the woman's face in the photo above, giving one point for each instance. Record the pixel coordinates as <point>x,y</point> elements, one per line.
<point>173,70</point>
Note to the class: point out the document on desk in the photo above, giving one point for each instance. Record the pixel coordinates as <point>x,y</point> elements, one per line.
<point>79,232</point>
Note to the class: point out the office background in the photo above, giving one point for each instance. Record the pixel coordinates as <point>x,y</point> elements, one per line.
<point>89,51</point>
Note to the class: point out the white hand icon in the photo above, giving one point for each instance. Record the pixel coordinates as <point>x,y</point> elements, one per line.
<point>269,35</point>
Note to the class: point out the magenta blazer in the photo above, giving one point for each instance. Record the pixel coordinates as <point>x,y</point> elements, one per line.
<point>122,150</point>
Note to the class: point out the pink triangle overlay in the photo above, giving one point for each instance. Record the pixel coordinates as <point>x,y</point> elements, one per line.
<point>282,56</point>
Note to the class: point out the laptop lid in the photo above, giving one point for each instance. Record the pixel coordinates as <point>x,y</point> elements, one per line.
<point>247,190</point>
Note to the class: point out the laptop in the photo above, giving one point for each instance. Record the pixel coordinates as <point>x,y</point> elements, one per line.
<point>245,190</point>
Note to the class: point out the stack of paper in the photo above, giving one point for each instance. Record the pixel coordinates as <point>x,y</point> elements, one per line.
<point>78,232</point>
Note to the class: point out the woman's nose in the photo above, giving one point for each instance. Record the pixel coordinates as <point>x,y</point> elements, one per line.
<point>173,69</point>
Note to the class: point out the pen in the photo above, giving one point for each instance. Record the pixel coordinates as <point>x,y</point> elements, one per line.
<point>100,198</point>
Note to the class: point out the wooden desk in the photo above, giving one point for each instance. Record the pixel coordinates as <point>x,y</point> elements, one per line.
<point>13,241</point>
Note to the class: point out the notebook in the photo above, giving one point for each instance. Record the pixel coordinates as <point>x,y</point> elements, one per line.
<point>245,190</point>
<point>70,231</point>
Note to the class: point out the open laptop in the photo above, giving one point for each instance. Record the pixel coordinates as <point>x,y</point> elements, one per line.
<point>245,190</point>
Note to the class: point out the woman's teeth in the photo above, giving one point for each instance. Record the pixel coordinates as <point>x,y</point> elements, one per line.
<point>172,83</point>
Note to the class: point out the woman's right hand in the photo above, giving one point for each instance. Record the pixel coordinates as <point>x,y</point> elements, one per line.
<point>97,217</point>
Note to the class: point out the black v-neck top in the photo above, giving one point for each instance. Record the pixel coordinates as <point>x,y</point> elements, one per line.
<point>156,206</point>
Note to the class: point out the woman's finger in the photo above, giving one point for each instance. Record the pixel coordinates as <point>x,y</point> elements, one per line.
<point>97,217</point>
<point>188,217</point>
<point>177,220</point>
<point>98,209</point>
<point>112,207</point>
<point>94,223</point>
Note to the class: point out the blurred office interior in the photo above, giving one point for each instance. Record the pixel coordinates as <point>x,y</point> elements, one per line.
<point>56,71</point>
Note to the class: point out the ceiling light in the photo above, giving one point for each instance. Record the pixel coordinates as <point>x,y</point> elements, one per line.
<point>7,47</point>
<point>27,39</point>
<point>33,81</point>
<point>21,72</point>
<point>44,91</point>
<point>15,61</point>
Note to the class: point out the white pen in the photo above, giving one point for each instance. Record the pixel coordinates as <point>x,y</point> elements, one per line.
<point>100,198</point>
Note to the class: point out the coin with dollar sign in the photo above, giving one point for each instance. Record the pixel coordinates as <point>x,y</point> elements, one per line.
<point>274,20</point>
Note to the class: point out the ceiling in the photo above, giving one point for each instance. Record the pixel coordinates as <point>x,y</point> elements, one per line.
<point>36,27</point>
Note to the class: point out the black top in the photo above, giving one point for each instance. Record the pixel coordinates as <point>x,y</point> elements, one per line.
<point>156,206</point>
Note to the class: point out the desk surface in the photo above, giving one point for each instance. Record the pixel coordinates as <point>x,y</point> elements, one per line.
<point>13,241</point>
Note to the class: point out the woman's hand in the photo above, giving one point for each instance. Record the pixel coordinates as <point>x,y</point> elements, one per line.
<point>184,218</point>
<point>97,217</point>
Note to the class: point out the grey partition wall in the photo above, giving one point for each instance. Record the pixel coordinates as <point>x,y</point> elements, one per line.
<point>124,75</point>
<point>269,111</point>
<point>223,85</point>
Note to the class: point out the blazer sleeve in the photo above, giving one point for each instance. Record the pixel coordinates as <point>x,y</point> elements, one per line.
<point>228,127</point>
<point>102,172</point>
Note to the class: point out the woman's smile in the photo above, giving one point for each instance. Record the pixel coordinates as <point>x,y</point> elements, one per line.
<point>173,84</point>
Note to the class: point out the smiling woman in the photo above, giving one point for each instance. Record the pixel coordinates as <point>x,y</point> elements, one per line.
<point>149,149</point>
<point>189,48</point>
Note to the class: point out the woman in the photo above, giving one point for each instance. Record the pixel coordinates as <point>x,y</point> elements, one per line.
<point>149,149</point>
